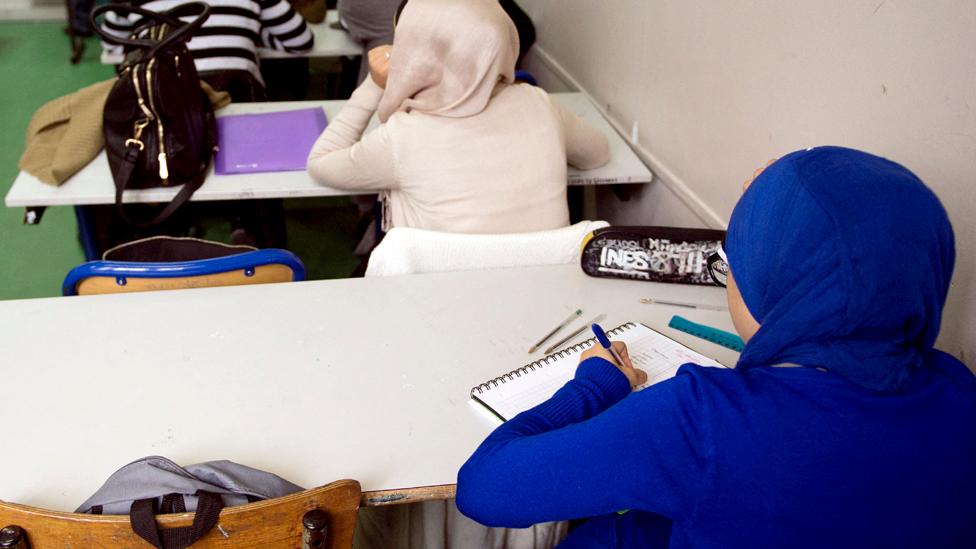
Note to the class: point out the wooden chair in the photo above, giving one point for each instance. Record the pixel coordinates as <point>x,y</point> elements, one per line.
<point>321,518</point>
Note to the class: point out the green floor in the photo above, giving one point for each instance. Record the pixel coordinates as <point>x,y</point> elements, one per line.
<point>35,66</point>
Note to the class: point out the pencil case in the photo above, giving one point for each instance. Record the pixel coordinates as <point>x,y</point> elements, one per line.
<point>655,254</point>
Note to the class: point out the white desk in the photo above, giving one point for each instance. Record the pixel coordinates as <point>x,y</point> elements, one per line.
<point>93,184</point>
<point>329,42</point>
<point>315,381</point>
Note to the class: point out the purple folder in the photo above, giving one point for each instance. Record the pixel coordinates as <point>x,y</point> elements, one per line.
<point>267,142</point>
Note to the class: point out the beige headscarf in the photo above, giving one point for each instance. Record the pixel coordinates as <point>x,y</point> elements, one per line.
<point>448,56</point>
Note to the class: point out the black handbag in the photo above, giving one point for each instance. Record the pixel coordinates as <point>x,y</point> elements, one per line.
<point>158,123</point>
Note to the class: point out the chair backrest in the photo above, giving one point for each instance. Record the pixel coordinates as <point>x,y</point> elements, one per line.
<point>288,522</point>
<point>408,251</point>
<point>252,267</point>
<point>526,76</point>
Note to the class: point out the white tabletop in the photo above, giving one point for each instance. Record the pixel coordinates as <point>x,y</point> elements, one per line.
<point>329,42</point>
<point>315,381</point>
<point>93,184</point>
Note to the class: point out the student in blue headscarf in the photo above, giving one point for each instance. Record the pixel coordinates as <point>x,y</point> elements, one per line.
<point>840,426</point>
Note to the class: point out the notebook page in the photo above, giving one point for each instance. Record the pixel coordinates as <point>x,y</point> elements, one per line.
<point>534,387</point>
<point>661,356</point>
<point>649,350</point>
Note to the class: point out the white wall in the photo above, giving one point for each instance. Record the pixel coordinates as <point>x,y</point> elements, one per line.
<point>717,87</point>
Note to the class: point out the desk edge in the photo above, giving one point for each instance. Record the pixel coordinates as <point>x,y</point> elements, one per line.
<point>380,498</point>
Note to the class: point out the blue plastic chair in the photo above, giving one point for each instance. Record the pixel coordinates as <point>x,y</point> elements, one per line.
<point>253,267</point>
<point>526,76</point>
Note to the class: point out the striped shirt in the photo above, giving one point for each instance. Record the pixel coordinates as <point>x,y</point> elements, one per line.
<point>229,39</point>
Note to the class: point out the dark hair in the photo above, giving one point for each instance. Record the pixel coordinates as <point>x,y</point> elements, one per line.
<point>396,16</point>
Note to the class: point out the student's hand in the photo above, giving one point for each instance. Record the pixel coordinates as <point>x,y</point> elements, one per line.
<point>756,173</point>
<point>635,376</point>
<point>379,64</point>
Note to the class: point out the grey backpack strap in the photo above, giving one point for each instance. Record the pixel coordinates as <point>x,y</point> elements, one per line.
<point>142,517</point>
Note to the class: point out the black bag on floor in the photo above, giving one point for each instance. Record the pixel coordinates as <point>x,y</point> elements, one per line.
<point>159,124</point>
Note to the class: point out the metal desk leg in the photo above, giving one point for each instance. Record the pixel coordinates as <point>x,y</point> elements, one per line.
<point>86,233</point>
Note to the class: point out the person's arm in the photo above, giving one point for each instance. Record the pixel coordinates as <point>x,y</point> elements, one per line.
<point>283,29</point>
<point>312,11</point>
<point>345,159</point>
<point>586,146</point>
<point>590,451</point>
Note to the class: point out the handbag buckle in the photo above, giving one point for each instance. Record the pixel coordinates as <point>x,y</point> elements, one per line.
<point>137,130</point>
<point>135,142</point>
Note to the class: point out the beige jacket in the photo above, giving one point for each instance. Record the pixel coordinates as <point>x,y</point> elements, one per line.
<point>65,134</point>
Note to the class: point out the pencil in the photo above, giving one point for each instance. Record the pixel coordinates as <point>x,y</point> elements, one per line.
<point>566,339</point>
<point>556,329</point>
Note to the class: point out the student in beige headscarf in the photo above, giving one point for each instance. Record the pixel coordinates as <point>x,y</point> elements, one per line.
<point>461,148</point>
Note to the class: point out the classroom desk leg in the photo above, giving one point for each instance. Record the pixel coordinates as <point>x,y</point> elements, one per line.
<point>86,233</point>
<point>574,195</point>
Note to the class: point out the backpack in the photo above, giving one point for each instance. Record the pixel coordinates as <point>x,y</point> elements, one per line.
<point>158,124</point>
<point>154,484</point>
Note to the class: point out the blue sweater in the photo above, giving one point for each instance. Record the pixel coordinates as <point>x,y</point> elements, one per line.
<point>769,457</point>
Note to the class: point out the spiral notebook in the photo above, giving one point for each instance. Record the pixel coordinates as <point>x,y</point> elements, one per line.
<point>510,394</point>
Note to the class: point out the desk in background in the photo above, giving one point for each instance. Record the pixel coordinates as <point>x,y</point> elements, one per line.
<point>93,184</point>
<point>314,381</point>
<point>329,42</point>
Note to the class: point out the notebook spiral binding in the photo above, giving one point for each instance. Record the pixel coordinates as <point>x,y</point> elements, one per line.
<point>545,361</point>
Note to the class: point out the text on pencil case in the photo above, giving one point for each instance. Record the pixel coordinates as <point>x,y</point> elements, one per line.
<point>656,256</point>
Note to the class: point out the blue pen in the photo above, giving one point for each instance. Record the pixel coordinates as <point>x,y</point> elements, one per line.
<point>601,336</point>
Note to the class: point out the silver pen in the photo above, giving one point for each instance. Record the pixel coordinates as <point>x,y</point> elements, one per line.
<point>652,301</point>
<point>562,325</point>
<point>566,339</point>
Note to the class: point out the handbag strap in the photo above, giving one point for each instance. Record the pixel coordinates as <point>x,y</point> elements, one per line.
<point>142,518</point>
<point>171,17</point>
<point>123,176</point>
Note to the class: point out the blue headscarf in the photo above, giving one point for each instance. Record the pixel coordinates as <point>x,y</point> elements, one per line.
<point>844,258</point>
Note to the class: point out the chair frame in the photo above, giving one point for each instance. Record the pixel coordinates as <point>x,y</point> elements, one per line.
<point>323,518</point>
<point>123,270</point>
